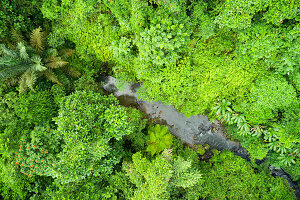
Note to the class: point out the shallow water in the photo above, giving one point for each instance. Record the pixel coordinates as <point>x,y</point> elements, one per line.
<point>191,130</point>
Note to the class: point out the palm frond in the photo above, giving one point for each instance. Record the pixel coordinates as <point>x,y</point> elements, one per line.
<point>66,52</point>
<point>11,81</point>
<point>27,80</point>
<point>54,62</point>
<point>31,79</point>
<point>51,76</point>
<point>17,36</point>
<point>22,51</point>
<point>12,70</point>
<point>38,67</point>
<point>37,64</point>
<point>22,85</point>
<point>4,51</point>
<point>7,61</point>
<point>37,39</point>
<point>71,71</point>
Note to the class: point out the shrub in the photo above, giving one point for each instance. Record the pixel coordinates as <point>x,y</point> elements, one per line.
<point>268,97</point>
<point>231,177</point>
<point>161,177</point>
<point>138,122</point>
<point>21,16</point>
<point>35,107</point>
<point>91,126</point>
<point>36,154</point>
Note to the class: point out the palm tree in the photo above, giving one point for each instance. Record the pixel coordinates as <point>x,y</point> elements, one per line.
<point>25,64</point>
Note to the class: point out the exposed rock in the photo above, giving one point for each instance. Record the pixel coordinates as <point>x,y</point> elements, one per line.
<point>191,130</point>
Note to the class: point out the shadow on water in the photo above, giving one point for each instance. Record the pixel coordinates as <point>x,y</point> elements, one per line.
<point>128,101</point>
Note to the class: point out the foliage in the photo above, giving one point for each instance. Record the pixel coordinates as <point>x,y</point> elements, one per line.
<point>256,147</point>
<point>12,183</point>
<point>187,153</point>
<point>161,43</point>
<point>240,14</point>
<point>201,149</point>
<point>138,122</point>
<point>202,21</point>
<point>87,83</point>
<point>30,62</point>
<point>232,177</point>
<point>14,63</point>
<point>20,113</point>
<point>19,16</point>
<point>91,127</point>
<point>36,155</point>
<point>192,85</point>
<point>35,107</point>
<point>212,68</point>
<point>167,36</point>
<point>11,126</point>
<point>259,140</point>
<point>159,40</point>
<point>89,24</point>
<point>225,113</point>
<point>90,188</point>
<point>190,54</point>
<point>293,171</point>
<point>157,178</point>
<point>268,97</point>
<point>274,48</point>
<point>237,14</point>
<point>58,92</point>
<point>136,31</point>
<point>159,139</point>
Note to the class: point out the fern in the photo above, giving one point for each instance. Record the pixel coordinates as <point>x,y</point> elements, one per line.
<point>37,39</point>
<point>22,85</point>
<point>184,175</point>
<point>13,63</point>
<point>30,81</point>
<point>7,61</point>
<point>11,82</point>
<point>24,62</point>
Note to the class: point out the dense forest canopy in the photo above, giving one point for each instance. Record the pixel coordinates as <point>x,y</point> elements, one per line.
<point>63,137</point>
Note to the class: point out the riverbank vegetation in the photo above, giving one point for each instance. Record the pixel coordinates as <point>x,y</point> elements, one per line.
<point>63,137</point>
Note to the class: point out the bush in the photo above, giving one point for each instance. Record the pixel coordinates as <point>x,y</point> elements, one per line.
<point>82,23</point>
<point>231,177</point>
<point>23,16</point>
<point>161,177</point>
<point>138,122</point>
<point>35,107</point>
<point>268,97</point>
<point>91,126</point>
<point>36,154</point>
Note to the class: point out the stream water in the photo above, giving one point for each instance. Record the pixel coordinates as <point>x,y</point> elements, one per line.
<point>191,130</point>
